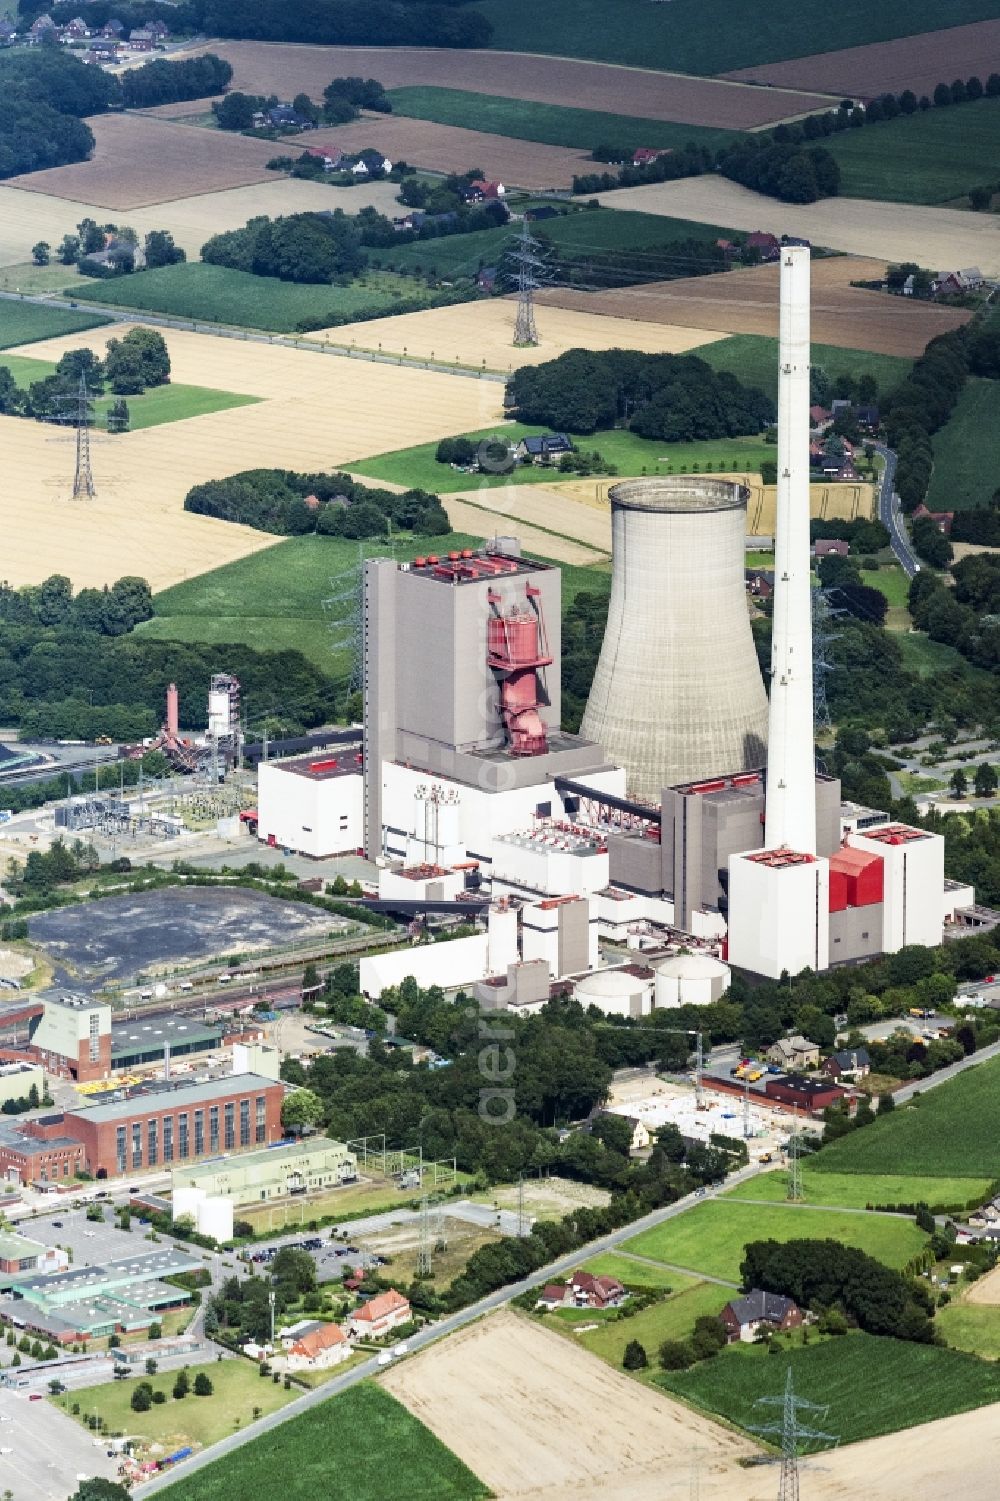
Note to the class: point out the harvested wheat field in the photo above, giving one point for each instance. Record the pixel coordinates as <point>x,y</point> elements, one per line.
<point>138,161</point>
<point>474,333</point>
<point>29,216</point>
<point>479,522</point>
<point>585,523</point>
<point>746,302</point>
<point>835,502</point>
<point>910,62</point>
<point>262,67</point>
<point>985,1290</point>
<point>934,237</point>
<point>138,525</point>
<point>532,1415</point>
<point>180,109</point>
<point>448,148</point>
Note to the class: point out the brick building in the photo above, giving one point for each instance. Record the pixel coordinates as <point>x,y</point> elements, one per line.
<point>71,1037</point>
<point>39,1151</point>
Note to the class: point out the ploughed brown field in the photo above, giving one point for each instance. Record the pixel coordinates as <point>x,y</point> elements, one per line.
<point>746,302</point>
<point>449,148</point>
<point>909,62</point>
<point>265,67</point>
<point>138,161</point>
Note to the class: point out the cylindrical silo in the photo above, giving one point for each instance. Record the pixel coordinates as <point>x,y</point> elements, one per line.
<point>678,695</point>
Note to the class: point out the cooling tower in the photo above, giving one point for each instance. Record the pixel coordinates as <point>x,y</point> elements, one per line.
<point>678,694</point>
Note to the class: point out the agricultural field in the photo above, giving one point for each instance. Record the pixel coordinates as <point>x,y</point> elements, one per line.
<point>705,36</point>
<point>262,68</point>
<point>947,1132</point>
<point>26,322</point>
<point>554,124</point>
<point>710,1237</point>
<point>967,451</point>
<point>753,359</point>
<point>361,1427</point>
<point>29,216</point>
<point>858,226</point>
<point>170,403</point>
<point>138,161</point>
<point>858,1190</point>
<point>932,157</point>
<point>873,1386</point>
<point>911,62</point>
<point>574,233</point>
<point>480,335</point>
<point>215,294</point>
<point>188,1420</point>
<point>746,302</point>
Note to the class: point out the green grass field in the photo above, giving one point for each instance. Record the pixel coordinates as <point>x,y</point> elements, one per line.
<point>891,582</point>
<point>672,1319</point>
<point>552,124</point>
<point>858,1190</point>
<point>710,36</point>
<point>753,359</point>
<point>967,450</point>
<point>710,1237</point>
<point>947,1132</point>
<point>974,1327</point>
<point>574,233</point>
<point>27,322</point>
<point>929,157</point>
<point>190,1420</point>
<point>632,455</point>
<point>171,403</point>
<point>636,1273</point>
<point>872,1385</point>
<point>356,1447</point>
<point>48,280</point>
<point>214,294</point>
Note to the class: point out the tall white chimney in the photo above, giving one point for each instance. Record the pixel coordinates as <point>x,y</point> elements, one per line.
<point>790,816</point>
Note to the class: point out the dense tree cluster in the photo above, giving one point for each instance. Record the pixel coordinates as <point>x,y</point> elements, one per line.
<point>45,92</point>
<point>349,23</point>
<point>345,98</point>
<point>919,406</point>
<point>965,616</point>
<point>136,361</point>
<point>334,505</point>
<point>979,524</point>
<point>162,82</point>
<point>379,232</point>
<point>788,168</point>
<point>311,247</point>
<point>671,397</point>
<point>823,1274</point>
<point>111,611</point>
<point>863,535</point>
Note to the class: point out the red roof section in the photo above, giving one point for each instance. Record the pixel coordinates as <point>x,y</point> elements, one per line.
<point>311,1345</point>
<point>381,1306</point>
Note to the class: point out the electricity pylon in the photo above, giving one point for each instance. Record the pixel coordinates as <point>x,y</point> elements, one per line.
<point>791,1432</point>
<point>795,1193</point>
<point>526,256</point>
<point>83,477</point>
<point>425,1254</point>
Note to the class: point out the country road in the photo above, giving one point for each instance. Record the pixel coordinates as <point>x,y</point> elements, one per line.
<point>890,515</point>
<point>431,1334</point>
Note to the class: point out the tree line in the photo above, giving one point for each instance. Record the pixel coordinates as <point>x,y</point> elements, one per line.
<point>133,363</point>
<point>162,82</point>
<point>966,615</point>
<point>789,169</point>
<point>823,1274</point>
<point>309,247</point>
<point>675,398</point>
<point>333,505</point>
<point>350,23</point>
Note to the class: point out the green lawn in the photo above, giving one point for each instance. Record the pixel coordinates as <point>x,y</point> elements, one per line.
<point>636,1273</point>
<point>575,233</point>
<point>27,322</point>
<point>858,1190</point>
<point>356,1447</point>
<point>552,124</point>
<point>872,1385</point>
<point>892,582</point>
<point>753,358</point>
<point>214,294</point>
<point>170,403</point>
<point>929,157</point>
<point>967,450</point>
<point>949,1132</point>
<point>190,1420</point>
<point>632,455</point>
<point>971,1326</point>
<point>929,658</point>
<point>711,36</point>
<point>710,1238</point>
<point>32,279</point>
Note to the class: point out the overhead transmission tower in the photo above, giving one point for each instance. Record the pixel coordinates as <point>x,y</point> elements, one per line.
<point>795,1193</point>
<point>79,414</point>
<point>425,1253</point>
<point>792,1432</point>
<point>525,253</point>
<point>823,636</point>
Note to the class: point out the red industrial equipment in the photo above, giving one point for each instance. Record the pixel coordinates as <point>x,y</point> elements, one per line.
<point>857,879</point>
<point>517,650</point>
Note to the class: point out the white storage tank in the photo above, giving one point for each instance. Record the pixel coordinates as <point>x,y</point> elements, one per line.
<point>625,991</point>
<point>690,980</point>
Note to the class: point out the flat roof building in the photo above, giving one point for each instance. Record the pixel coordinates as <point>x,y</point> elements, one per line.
<point>137,1042</point>
<point>296,1167</point>
<point>117,1297</point>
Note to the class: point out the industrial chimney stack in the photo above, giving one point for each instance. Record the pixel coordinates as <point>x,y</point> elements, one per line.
<point>791,778</point>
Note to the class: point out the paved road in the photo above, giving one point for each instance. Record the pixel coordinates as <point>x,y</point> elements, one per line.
<point>253,336</point>
<point>890,515</point>
<point>431,1334</point>
<point>944,1074</point>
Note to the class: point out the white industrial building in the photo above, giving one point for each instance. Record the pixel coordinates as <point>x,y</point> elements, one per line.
<point>779,912</point>
<point>690,980</point>
<point>312,805</point>
<point>626,990</point>
<point>913,865</point>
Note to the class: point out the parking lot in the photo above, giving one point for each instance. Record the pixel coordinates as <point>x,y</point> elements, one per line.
<point>86,1239</point>
<point>43,1453</point>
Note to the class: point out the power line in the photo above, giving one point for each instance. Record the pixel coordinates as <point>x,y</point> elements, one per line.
<point>791,1433</point>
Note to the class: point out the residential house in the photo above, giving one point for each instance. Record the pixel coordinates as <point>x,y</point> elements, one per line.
<point>284,117</point>
<point>820,418</point>
<point>793,1052</point>
<point>371,163</point>
<point>158,30</point>
<point>744,1317</point>
<point>768,245</point>
<point>331,156</point>
<point>486,278</point>
<point>39,27</point>
<point>554,1295</point>
<point>76,30</point>
<point>104,49</point>
<point>7,33</point>
<point>760,582</point>
<point>113,29</point>
<point>318,1350</point>
<point>827,547</point>
<point>380,1315</point>
<point>482,192</point>
<point>643,155</point>
<point>943,520</point>
<point>850,1063</point>
<point>116,250</point>
<point>544,449</point>
<point>141,40</point>
<point>588,1291</point>
<point>867,416</point>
